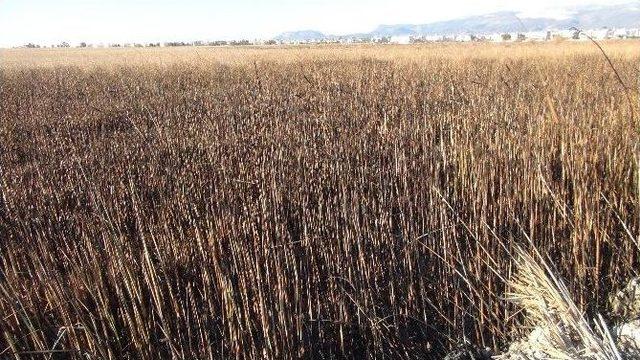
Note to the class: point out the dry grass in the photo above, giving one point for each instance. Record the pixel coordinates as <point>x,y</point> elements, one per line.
<point>247,55</point>
<point>561,330</point>
<point>327,202</point>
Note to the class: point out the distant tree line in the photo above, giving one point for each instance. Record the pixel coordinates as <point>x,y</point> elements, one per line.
<point>154,44</point>
<point>518,37</point>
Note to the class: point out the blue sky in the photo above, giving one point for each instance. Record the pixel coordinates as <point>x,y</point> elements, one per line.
<point>106,21</point>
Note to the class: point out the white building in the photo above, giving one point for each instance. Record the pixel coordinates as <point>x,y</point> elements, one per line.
<point>599,34</point>
<point>463,38</point>
<point>495,37</point>
<point>401,39</point>
<point>620,33</point>
<point>538,35</point>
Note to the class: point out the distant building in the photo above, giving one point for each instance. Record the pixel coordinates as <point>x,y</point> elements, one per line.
<point>402,39</point>
<point>495,37</point>
<point>462,38</point>
<point>433,38</point>
<point>538,35</point>
<point>599,34</point>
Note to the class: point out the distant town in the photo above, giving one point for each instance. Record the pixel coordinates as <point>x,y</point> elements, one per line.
<point>548,35</point>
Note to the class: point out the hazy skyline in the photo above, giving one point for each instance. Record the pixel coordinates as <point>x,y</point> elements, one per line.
<point>119,21</point>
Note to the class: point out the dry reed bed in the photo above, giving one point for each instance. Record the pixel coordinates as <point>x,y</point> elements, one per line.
<point>315,207</point>
<point>246,55</point>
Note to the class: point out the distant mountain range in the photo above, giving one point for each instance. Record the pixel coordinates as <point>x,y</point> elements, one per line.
<point>585,17</point>
<point>302,35</point>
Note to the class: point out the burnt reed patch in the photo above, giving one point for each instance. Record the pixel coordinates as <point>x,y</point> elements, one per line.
<point>317,207</point>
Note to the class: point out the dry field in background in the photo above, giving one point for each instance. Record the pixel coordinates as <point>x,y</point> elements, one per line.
<point>211,56</point>
<point>319,202</point>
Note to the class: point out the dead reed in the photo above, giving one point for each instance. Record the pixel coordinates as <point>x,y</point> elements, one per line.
<point>316,206</point>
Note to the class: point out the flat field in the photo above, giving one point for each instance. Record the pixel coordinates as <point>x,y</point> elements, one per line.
<point>319,202</point>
